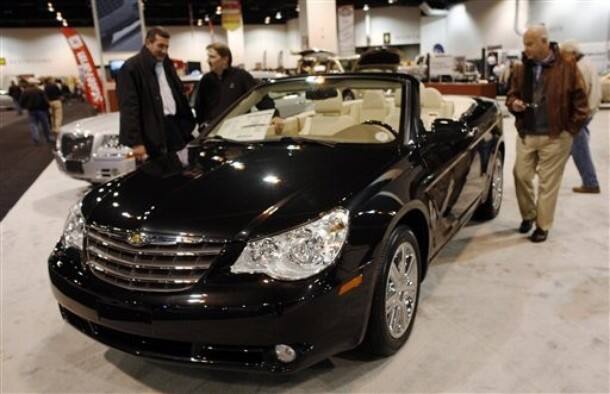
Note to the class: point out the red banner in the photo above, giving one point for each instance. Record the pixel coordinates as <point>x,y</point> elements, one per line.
<point>86,67</point>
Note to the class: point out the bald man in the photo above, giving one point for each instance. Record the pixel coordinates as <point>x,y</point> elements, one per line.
<point>549,101</point>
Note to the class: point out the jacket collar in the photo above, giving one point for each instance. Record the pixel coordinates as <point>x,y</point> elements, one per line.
<point>553,56</point>
<point>148,59</point>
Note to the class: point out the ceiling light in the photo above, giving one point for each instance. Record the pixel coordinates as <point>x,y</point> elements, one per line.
<point>391,1</point>
<point>219,10</point>
<point>278,15</point>
<point>365,8</point>
<point>267,20</point>
<point>206,19</point>
<point>199,22</point>
<point>50,7</point>
<point>298,9</point>
<point>58,16</point>
<point>64,22</point>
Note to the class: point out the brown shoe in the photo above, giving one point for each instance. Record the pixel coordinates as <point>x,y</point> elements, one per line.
<point>586,189</point>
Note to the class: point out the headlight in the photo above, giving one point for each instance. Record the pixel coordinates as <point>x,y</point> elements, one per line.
<point>298,253</point>
<point>74,228</point>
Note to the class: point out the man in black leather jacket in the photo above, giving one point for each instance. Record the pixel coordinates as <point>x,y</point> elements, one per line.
<point>155,117</point>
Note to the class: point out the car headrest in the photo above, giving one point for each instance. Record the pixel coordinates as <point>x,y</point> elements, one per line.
<point>431,98</point>
<point>373,99</point>
<point>329,105</point>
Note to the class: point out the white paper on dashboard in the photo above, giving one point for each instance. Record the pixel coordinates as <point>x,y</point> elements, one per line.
<point>247,127</point>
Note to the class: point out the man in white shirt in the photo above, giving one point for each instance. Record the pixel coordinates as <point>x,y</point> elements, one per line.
<point>155,118</point>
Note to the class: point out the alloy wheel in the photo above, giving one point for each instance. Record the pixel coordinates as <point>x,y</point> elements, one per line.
<point>497,185</point>
<point>401,290</point>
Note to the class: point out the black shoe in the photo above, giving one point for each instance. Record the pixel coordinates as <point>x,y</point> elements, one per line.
<point>526,226</point>
<point>539,235</point>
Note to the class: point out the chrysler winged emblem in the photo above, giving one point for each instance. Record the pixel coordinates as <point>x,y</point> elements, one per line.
<point>136,239</point>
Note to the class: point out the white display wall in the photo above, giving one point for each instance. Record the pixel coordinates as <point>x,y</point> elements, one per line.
<point>466,29</point>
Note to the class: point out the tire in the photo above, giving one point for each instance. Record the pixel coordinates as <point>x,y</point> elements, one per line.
<point>490,208</point>
<point>385,336</point>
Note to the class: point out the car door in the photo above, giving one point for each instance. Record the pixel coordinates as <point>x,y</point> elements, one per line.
<point>439,160</point>
<point>473,147</point>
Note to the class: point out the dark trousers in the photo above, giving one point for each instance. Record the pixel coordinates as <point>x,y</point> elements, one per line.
<point>39,122</point>
<point>174,135</point>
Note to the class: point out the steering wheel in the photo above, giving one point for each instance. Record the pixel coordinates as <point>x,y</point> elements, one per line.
<point>384,125</point>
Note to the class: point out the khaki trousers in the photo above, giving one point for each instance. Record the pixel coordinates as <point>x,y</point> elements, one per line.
<point>57,115</point>
<point>545,157</point>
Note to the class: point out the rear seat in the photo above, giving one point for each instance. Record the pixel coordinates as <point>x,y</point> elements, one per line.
<point>328,118</point>
<point>374,106</point>
<point>393,119</point>
<point>433,106</point>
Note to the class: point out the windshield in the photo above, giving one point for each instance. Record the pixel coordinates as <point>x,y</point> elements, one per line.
<point>333,110</point>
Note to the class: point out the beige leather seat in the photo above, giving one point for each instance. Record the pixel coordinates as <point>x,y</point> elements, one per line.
<point>433,106</point>
<point>328,118</point>
<point>393,119</point>
<point>374,106</point>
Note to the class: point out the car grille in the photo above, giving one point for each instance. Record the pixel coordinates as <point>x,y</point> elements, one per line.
<point>76,147</point>
<point>105,7</point>
<point>163,264</point>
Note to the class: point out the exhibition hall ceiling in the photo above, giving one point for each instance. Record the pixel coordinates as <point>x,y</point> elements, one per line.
<point>37,13</point>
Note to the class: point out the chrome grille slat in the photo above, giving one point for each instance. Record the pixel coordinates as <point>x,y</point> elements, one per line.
<point>141,263</point>
<point>132,276</point>
<point>76,147</point>
<point>163,267</point>
<point>210,251</point>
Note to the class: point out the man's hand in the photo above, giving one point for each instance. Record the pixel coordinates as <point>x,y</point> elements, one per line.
<point>278,125</point>
<point>518,106</point>
<point>139,152</point>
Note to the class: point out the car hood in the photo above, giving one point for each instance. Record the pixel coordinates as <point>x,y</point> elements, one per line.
<point>100,124</point>
<point>233,192</point>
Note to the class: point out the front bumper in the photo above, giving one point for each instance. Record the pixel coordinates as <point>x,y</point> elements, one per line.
<point>96,169</point>
<point>219,322</point>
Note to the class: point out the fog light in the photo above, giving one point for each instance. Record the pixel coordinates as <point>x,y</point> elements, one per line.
<point>285,353</point>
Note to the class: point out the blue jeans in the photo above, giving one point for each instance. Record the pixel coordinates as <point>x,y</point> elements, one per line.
<point>39,121</point>
<point>581,153</point>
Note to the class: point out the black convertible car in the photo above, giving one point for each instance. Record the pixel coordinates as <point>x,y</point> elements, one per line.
<point>275,244</point>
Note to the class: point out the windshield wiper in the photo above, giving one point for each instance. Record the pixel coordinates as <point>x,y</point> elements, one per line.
<point>298,140</point>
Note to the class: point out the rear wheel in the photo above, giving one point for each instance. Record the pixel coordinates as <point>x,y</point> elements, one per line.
<point>396,295</point>
<point>490,208</point>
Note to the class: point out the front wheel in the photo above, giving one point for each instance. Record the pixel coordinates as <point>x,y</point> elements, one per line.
<point>490,208</point>
<point>396,295</point>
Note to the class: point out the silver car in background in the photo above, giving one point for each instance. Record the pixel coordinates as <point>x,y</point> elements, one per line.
<point>89,149</point>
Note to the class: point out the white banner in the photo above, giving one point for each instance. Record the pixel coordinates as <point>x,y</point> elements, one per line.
<point>345,25</point>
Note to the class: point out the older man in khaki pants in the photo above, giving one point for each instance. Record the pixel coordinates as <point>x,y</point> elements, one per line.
<point>549,101</point>
<point>56,106</point>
